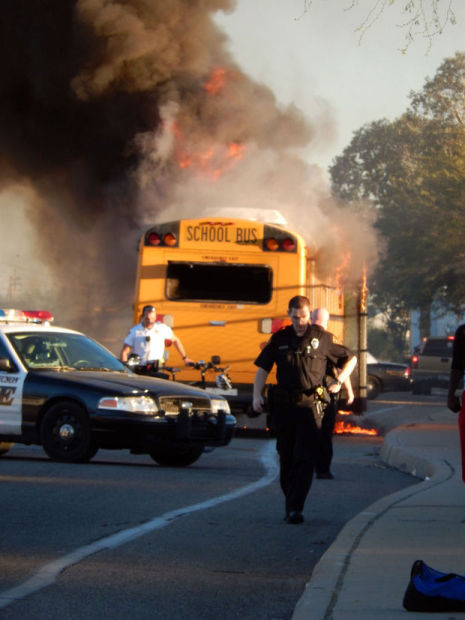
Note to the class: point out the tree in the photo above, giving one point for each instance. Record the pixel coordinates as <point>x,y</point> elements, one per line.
<point>412,172</point>
<point>423,18</point>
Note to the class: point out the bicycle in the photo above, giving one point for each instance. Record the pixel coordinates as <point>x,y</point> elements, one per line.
<point>223,381</point>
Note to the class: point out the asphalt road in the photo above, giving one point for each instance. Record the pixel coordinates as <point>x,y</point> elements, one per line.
<point>123,537</point>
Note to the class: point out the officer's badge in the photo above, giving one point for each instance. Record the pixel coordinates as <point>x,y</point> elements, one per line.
<point>314,343</point>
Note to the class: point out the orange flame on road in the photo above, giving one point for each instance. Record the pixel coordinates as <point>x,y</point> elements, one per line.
<point>344,428</point>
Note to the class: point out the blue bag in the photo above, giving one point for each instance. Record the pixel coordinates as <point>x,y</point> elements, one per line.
<point>431,590</point>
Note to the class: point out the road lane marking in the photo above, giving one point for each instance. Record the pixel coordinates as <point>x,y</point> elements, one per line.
<point>48,574</point>
<point>384,410</point>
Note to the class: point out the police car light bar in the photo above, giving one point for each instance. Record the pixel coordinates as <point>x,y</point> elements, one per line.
<point>12,315</point>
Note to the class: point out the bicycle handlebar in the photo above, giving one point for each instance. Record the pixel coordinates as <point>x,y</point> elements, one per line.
<point>204,366</point>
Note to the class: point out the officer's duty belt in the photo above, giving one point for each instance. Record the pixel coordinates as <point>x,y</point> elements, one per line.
<point>294,396</point>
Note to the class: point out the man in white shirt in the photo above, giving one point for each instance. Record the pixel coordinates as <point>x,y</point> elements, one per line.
<point>147,340</point>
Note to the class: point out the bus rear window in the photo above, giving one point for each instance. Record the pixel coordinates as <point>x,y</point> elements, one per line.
<point>188,281</point>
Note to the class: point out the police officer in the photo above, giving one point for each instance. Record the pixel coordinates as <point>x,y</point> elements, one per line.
<point>147,340</point>
<point>301,352</point>
<point>320,316</point>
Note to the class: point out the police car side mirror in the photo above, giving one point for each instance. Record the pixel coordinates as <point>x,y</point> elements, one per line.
<point>5,364</point>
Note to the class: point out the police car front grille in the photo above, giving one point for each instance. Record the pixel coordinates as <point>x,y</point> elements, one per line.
<point>171,405</point>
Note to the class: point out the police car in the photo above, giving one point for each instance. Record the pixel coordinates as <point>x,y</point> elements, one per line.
<point>64,391</point>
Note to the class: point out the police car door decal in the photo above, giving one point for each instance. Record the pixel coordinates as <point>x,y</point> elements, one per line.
<point>11,396</point>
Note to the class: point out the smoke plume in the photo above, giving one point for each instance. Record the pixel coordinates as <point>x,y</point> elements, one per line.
<point>119,113</point>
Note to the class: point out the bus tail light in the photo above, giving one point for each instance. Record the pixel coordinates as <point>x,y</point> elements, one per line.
<point>277,325</point>
<point>162,235</point>
<point>414,361</point>
<point>169,239</point>
<point>271,326</point>
<point>288,244</point>
<point>265,326</point>
<point>271,244</point>
<point>277,239</point>
<point>154,239</point>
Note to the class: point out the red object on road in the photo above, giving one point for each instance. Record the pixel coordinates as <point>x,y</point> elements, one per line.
<point>462,434</point>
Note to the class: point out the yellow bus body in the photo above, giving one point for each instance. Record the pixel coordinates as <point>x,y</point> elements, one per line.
<point>234,329</point>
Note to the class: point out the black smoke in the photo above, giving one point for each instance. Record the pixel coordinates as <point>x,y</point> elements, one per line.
<point>98,98</point>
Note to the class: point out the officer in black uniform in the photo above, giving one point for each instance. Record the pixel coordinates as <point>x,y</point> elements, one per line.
<point>320,316</point>
<point>301,352</point>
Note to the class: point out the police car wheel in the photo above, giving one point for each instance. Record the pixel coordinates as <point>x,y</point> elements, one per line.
<point>66,434</point>
<point>176,456</point>
<point>5,447</point>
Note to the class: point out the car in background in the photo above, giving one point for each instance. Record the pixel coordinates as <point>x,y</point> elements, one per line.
<point>386,377</point>
<point>64,391</point>
<point>430,364</point>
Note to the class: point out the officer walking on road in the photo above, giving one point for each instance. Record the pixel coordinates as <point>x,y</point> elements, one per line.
<point>301,352</point>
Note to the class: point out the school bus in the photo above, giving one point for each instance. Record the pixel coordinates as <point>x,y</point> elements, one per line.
<point>223,284</point>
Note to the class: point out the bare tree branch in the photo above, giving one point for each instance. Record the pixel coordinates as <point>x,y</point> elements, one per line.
<point>423,18</point>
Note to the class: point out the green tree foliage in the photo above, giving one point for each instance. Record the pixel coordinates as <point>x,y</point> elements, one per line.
<point>389,341</point>
<point>412,172</point>
<point>385,347</point>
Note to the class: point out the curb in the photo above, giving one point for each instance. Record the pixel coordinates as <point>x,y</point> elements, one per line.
<point>321,592</point>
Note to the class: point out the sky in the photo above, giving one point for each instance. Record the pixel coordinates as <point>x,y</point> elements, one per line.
<point>316,60</point>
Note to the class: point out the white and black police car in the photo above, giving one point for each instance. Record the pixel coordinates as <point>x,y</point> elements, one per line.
<point>64,391</point>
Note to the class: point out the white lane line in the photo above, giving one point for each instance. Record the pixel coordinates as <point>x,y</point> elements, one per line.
<point>386,409</point>
<point>47,575</point>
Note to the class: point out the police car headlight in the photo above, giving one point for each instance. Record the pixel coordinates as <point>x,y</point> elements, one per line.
<point>133,404</point>
<point>220,404</point>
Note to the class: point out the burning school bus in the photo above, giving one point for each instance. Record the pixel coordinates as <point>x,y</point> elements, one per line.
<point>223,284</point>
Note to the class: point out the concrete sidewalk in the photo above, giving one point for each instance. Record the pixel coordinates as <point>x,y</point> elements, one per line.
<point>366,570</point>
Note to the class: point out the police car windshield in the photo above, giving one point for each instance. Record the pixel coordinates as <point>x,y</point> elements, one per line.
<point>57,350</point>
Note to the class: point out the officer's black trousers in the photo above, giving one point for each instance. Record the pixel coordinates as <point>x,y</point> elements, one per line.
<point>325,444</point>
<point>297,444</point>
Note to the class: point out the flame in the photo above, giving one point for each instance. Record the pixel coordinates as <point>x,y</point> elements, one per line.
<point>216,81</point>
<point>363,290</point>
<point>341,269</point>
<point>211,162</point>
<point>342,427</point>
<point>213,159</point>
